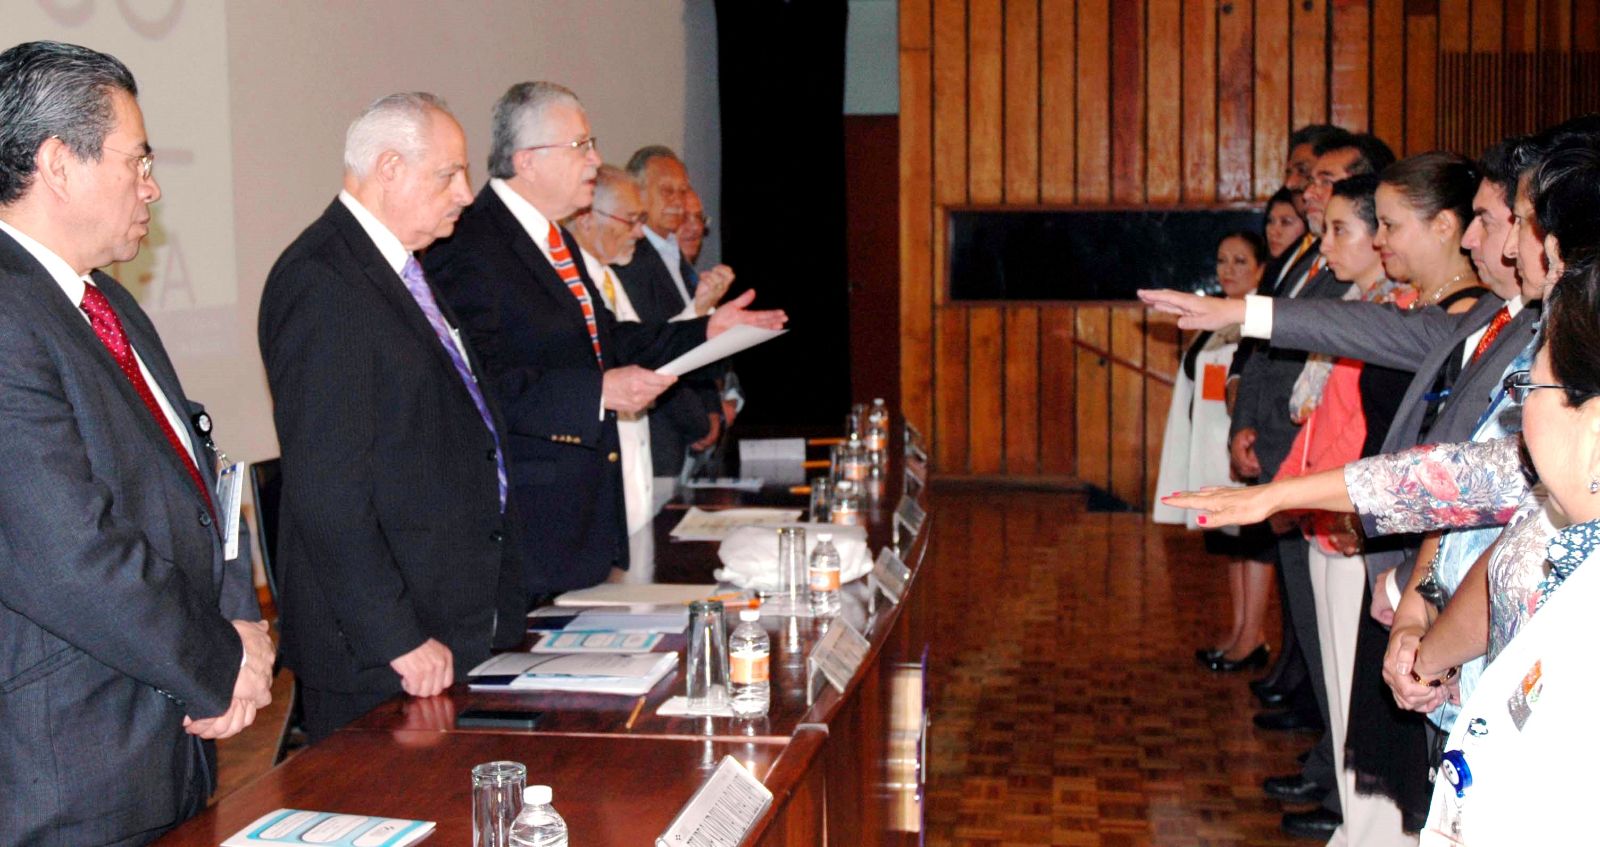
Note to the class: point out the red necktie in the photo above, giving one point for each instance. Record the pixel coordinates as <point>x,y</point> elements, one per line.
<point>561,257</point>
<point>1501,318</point>
<point>109,327</point>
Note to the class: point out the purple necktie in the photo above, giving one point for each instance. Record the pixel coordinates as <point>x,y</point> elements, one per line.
<point>411,274</point>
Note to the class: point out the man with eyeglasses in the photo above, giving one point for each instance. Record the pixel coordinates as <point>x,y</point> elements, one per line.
<point>607,232</point>
<point>560,364</point>
<point>129,640</point>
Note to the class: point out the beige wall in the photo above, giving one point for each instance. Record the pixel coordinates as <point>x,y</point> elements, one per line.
<point>300,69</point>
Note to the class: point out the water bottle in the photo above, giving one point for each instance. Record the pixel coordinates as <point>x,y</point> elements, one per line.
<point>824,573</point>
<point>749,651</point>
<point>538,825</point>
<point>877,440</point>
<point>846,506</point>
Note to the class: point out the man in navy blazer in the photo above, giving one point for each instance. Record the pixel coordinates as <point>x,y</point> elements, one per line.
<point>399,571</point>
<point>560,364</point>
<point>128,642</point>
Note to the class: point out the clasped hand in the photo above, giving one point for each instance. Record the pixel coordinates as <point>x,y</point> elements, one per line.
<point>252,689</point>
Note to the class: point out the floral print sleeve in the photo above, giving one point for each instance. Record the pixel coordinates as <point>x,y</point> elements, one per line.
<point>1438,486</point>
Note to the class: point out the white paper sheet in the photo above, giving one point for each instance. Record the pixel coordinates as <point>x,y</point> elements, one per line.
<point>740,337</point>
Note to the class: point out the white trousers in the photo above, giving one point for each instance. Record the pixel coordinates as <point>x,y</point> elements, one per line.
<point>1337,584</point>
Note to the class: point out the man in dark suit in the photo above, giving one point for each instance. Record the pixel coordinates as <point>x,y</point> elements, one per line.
<point>662,282</point>
<point>127,641</point>
<point>559,362</point>
<point>397,570</point>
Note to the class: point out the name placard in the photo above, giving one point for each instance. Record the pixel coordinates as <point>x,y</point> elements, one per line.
<point>888,577</point>
<point>836,657</point>
<point>721,813</point>
<point>909,516</point>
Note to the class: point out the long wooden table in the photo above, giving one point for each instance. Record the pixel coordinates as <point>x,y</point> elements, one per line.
<point>844,770</point>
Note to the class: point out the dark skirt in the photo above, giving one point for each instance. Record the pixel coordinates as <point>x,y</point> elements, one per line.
<point>1386,746</point>
<point>1254,542</point>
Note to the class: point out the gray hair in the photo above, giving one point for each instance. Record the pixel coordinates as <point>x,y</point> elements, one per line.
<point>606,181</point>
<point>397,122</point>
<point>517,119</point>
<point>642,158</point>
<point>47,89</point>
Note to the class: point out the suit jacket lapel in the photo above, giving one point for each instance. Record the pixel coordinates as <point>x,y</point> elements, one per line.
<point>377,272</point>
<point>522,244</point>
<point>71,326</point>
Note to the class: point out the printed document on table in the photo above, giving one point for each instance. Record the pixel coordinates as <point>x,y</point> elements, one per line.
<point>740,337</point>
<point>715,525</point>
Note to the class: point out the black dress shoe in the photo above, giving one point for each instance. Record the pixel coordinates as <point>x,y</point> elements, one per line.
<point>1294,788</point>
<point>1287,720</point>
<point>1267,687</point>
<point>1255,659</point>
<point>1207,655</point>
<point>1317,823</point>
<point>1303,757</point>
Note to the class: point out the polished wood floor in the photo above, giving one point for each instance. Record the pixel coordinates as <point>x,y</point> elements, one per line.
<point>1067,706</point>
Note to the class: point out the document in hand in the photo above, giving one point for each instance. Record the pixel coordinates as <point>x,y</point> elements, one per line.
<point>293,826</point>
<point>596,673</point>
<point>740,337</point>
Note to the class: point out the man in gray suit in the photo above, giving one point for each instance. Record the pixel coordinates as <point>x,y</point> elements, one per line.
<point>127,642</point>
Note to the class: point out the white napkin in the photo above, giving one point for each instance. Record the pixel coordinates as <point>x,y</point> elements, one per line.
<point>750,554</point>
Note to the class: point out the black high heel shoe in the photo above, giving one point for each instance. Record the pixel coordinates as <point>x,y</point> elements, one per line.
<point>1207,655</point>
<point>1256,659</point>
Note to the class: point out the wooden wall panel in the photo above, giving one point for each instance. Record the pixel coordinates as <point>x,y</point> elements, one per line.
<point>1094,101</point>
<point>985,101</point>
<point>985,389</point>
<point>1199,55</point>
<point>1127,405</point>
<point>1421,84</point>
<point>1022,391</point>
<point>916,215</point>
<point>1164,87</point>
<point>1348,74</point>
<point>1022,101</point>
<point>1388,57</point>
<point>1234,111</point>
<point>950,373</point>
<point>1057,391</point>
<point>1308,65</point>
<point>1127,102</point>
<point>1271,94</point>
<point>1092,412</point>
<point>1159,102</point>
<point>1058,95</point>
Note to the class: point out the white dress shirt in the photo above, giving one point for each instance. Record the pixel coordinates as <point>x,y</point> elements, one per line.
<point>73,285</point>
<point>638,480</point>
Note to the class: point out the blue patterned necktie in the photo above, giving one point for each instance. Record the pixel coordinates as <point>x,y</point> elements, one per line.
<point>411,274</point>
<point>1568,549</point>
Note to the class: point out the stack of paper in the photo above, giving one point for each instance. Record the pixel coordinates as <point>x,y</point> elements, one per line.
<point>635,594</point>
<point>597,673</point>
<point>292,826</point>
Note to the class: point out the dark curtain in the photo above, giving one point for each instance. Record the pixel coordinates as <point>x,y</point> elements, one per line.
<point>780,67</point>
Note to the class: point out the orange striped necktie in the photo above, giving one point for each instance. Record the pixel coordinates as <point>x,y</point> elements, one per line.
<point>561,257</point>
<point>1501,318</point>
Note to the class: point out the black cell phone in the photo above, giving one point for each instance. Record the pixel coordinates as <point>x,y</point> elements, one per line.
<point>498,719</point>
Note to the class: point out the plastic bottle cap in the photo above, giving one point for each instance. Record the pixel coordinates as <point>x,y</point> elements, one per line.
<point>537,795</point>
<point>748,615</point>
<point>824,536</point>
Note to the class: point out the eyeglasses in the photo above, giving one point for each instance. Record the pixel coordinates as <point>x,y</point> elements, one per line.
<point>1517,385</point>
<point>638,219</point>
<point>147,161</point>
<point>582,145</point>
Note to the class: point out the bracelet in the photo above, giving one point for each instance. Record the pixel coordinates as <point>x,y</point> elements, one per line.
<point>1435,683</point>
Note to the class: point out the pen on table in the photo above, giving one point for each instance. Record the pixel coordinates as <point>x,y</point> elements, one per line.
<point>635,716</point>
<point>813,464</point>
<point>799,489</point>
<point>732,595</point>
<point>823,442</point>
